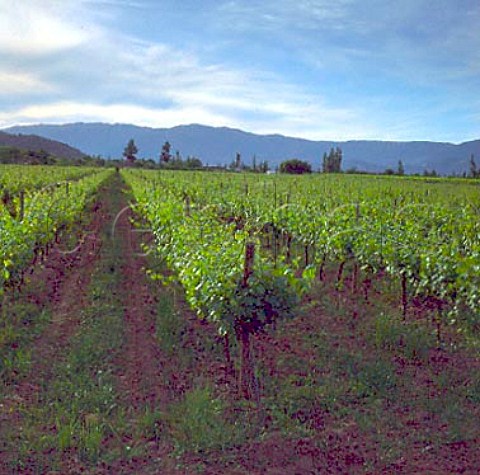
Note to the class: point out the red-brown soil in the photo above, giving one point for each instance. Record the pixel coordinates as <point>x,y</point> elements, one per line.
<point>335,443</point>
<point>141,362</point>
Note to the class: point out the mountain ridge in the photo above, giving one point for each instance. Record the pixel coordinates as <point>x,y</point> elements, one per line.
<point>219,145</point>
<point>37,143</point>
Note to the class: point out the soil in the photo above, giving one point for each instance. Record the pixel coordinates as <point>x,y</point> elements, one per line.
<point>148,377</point>
<point>141,362</point>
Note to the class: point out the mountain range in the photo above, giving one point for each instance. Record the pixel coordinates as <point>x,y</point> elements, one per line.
<point>219,145</point>
<point>36,143</point>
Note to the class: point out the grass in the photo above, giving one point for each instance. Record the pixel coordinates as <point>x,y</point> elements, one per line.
<point>24,323</point>
<point>197,423</point>
<point>169,325</point>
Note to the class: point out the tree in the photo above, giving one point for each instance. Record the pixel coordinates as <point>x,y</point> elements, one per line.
<point>474,173</point>
<point>165,155</point>
<point>238,161</point>
<point>130,151</point>
<point>295,166</point>
<point>332,163</point>
<point>401,169</point>
<point>263,167</point>
<point>193,162</point>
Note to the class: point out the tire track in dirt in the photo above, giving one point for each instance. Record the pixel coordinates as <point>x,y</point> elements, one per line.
<point>141,361</point>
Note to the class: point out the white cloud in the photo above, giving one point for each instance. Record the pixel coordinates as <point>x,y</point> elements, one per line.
<point>71,111</point>
<point>35,27</point>
<point>22,83</point>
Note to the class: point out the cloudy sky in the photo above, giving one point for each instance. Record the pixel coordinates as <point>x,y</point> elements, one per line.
<point>319,69</point>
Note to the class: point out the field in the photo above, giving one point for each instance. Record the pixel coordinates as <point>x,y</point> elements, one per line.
<point>224,323</point>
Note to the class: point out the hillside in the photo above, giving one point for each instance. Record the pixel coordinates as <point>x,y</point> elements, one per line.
<point>37,143</point>
<point>218,146</point>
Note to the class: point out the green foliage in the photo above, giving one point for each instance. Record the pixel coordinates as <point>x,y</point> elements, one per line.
<point>336,218</point>
<point>412,340</point>
<point>332,163</point>
<point>197,423</point>
<point>47,207</point>
<point>374,379</point>
<point>165,155</point>
<point>295,167</point>
<point>207,255</point>
<point>269,296</point>
<point>130,151</point>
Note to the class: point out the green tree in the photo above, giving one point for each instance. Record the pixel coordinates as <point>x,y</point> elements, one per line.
<point>332,163</point>
<point>193,162</point>
<point>130,151</point>
<point>400,169</point>
<point>474,173</point>
<point>238,161</point>
<point>165,155</point>
<point>295,166</point>
<point>263,167</point>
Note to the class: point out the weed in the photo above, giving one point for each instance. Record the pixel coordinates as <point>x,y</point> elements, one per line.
<point>197,423</point>
<point>149,424</point>
<point>388,332</point>
<point>169,326</point>
<point>418,342</point>
<point>375,379</point>
<point>413,340</point>
<point>473,390</point>
<point>90,437</point>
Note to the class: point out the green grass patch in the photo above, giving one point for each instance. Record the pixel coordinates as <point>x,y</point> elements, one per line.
<point>198,423</point>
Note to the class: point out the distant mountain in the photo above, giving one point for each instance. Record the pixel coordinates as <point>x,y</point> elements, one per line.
<point>218,146</point>
<point>36,143</point>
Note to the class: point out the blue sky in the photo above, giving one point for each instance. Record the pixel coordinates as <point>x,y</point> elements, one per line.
<point>318,69</point>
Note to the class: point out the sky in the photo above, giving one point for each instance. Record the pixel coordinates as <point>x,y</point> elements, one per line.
<point>317,69</point>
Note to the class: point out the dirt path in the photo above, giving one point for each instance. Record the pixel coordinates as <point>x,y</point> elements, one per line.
<point>141,362</point>
<point>65,283</point>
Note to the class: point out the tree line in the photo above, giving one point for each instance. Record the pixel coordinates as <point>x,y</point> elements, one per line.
<point>331,163</point>
<point>166,159</point>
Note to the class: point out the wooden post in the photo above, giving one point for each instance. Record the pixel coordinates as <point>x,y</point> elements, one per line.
<point>354,277</point>
<point>248,387</point>
<point>321,274</point>
<point>404,296</point>
<point>289,248</point>
<point>22,205</point>
<point>275,245</point>
<point>248,266</point>
<point>187,206</point>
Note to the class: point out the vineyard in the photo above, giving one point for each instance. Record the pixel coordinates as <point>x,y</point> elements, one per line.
<point>36,206</point>
<point>205,322</point>
<point>427,238</point>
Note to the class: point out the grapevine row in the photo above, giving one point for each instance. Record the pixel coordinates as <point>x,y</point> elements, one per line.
<point>44,213</point>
